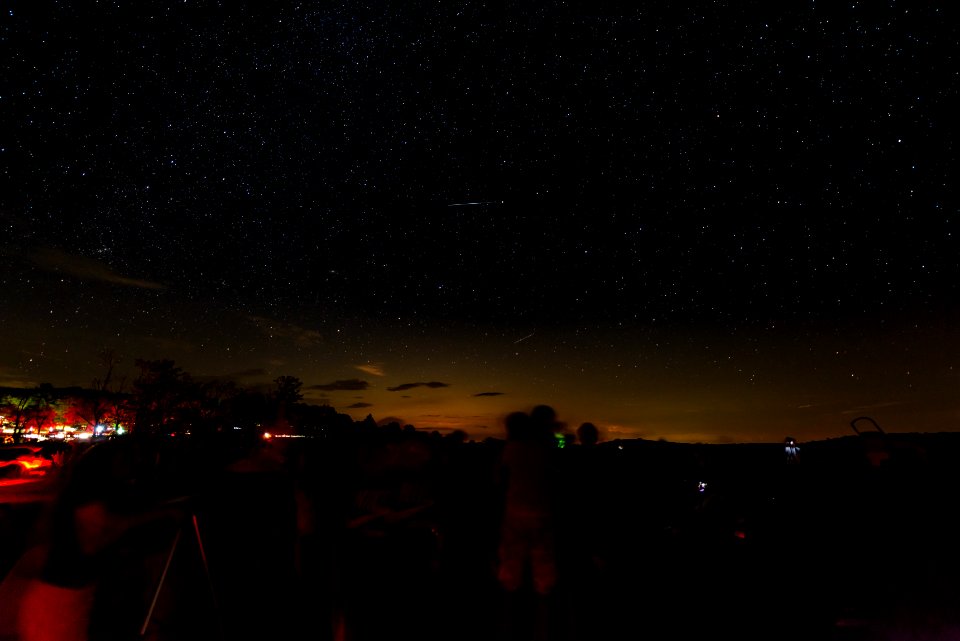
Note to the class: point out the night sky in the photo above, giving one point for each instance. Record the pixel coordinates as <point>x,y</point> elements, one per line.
<point>699,221</point>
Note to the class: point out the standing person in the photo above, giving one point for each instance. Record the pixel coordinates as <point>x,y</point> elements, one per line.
<point>96,508</point>
<point>586,529</point>
<point>527,537</point>
<point>250,529</point>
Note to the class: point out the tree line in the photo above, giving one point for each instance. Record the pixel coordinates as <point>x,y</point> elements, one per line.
<point>164,399</point>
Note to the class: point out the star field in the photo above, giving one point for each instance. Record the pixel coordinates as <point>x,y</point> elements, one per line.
<point>703,208</point>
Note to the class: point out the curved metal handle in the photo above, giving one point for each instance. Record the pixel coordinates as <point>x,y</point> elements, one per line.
<point>853,424</point>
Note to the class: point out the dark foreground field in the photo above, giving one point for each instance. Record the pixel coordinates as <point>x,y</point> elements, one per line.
<point>655,541</point>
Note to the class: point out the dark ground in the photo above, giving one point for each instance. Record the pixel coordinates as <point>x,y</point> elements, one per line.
<point>829,548</point>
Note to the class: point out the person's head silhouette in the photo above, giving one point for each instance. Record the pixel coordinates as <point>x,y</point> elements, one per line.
<point>588,434</point>
<point>518,426</point>
<point>543,420</point>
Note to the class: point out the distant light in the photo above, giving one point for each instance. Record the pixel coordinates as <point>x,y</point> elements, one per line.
<point>267,436</point>
<point>82,435</point>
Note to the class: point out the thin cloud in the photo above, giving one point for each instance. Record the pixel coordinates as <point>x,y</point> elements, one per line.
<point>490,394</point>
<point>170,345</point>
<point>347,385</point>
<point>374,369</point>
<point>307,336</point>
<point>275,328</point>
<point>358,406</point>
<point>868,408</point>
<point>234,376</point>
<point>256,372</point>
<point>9,378</point>
<point>406,386</point>
<point>249,373</point>
<point>54,260</point>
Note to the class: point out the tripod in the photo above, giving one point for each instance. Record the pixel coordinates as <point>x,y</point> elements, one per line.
<point>166,568</point>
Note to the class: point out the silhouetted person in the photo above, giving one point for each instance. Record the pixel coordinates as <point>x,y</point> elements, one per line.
<point>588,434</point>
<point>586,529</point>
<point>527,538</point>
<point>386,553</point>
<point>249,527</point>
<point>97,508</point>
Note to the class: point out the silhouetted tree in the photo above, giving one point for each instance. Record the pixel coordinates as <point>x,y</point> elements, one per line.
<point>215,404</point>
<point>165,397</point>
<point>285,397</point>
<point>121,409</point>
<point>28,408</point>
<point>367,426</point>
<point>288,390</point>
<point>248,409</point>
<point>14,408</point>
<point>93,408</point>
<point>41,411</point>
<point>321,420</point>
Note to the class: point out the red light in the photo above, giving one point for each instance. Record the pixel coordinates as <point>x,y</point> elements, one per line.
<point>31,464</point>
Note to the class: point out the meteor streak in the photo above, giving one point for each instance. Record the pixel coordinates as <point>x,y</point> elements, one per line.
<point>475,203</point>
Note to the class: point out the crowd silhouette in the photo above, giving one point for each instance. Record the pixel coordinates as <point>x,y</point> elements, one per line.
<point>383,531</point>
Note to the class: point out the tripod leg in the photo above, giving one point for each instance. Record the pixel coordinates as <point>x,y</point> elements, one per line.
<point>206,569</point>
<point>203,557</point>
<point>163,576</point>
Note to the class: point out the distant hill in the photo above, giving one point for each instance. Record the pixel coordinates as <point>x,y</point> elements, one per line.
<point>845,453</point>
